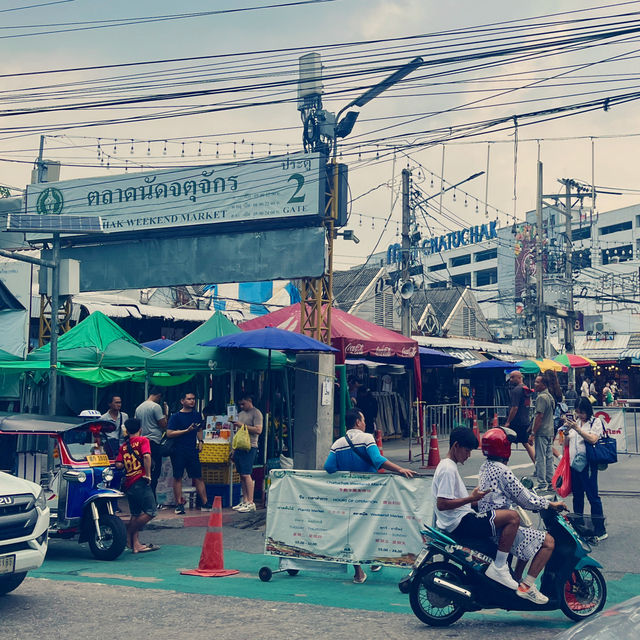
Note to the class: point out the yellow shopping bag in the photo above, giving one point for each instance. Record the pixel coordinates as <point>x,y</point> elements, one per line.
<point>242,440</point>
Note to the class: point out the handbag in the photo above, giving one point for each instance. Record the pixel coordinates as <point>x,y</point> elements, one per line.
<point>242,440</point>
<point>166,445</point>
<point>604,451</point>
<point>561,480</point>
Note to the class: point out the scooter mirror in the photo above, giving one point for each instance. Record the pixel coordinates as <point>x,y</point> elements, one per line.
<point>527,482</point>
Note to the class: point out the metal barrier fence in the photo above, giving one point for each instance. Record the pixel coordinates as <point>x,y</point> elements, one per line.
<point>623,423</point>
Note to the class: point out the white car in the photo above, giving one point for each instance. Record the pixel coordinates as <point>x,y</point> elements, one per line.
<point>24,524</point>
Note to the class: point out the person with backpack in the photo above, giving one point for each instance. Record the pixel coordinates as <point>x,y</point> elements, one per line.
<point>134,457</point>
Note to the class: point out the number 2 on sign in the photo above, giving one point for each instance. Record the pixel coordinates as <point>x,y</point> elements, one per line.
<point>295,198</point>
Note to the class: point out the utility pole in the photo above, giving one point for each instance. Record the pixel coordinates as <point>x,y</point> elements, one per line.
<point>55,301</point>
<point>406,249</point>
<point>568,273</point>
<point>540,318</point>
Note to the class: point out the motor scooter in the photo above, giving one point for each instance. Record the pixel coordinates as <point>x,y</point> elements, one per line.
<point>447,578</point>
<point>71,459</point>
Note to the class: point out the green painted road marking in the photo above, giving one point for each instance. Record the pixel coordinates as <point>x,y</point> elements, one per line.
<point>161,570</point>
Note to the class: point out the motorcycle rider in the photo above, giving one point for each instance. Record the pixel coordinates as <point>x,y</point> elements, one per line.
<point>453,507</point>
<point>503,490</point>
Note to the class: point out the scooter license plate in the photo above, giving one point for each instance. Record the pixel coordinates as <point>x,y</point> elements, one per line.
<point>421,556</point>
<point>7,564</point>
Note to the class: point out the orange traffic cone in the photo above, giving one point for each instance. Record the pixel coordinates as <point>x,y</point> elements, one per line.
<point>495,421</point>
<point>476,431</point>
<point>434,450</point>
<point>379,440</point>
<point>212,557</point>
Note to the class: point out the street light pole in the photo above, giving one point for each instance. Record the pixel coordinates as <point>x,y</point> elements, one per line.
<point>322,129</point>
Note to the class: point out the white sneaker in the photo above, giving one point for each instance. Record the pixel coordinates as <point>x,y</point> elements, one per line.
<point>238,506</point>
<point>502,575</point>
<point>532,594</point>
<point>246,507</point>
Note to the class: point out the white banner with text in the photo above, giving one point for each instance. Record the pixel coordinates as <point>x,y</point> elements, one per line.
<point>356,518</point>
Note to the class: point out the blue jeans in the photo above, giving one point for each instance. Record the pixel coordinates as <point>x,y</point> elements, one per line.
<point>586,481</point>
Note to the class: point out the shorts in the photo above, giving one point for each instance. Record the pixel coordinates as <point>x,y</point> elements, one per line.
<point>244,460</point>
<point>522,432</point>
<point>189,460</point>
<point>477,525</point>
<point>526,544</point>
<point>141,498</point>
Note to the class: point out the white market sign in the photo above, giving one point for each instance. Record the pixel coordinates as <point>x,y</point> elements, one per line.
<point>277,187</point>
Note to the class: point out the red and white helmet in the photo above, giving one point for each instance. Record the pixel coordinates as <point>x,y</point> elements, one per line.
<point>496,443</point>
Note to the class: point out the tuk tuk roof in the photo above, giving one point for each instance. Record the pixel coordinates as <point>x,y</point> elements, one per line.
<point>16,423</point>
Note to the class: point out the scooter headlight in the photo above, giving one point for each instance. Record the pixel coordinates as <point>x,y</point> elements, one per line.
<point>41,501</point>
<point>107,474</point>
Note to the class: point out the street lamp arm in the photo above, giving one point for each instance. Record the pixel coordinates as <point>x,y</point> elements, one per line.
<point>18,256</point>
<point>377,89</point>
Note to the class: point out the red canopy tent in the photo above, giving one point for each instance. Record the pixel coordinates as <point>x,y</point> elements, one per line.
<point>352,336</point>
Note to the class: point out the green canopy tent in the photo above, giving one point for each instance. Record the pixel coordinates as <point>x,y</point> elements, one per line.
<point>96,351</point>
<point>187,356</point>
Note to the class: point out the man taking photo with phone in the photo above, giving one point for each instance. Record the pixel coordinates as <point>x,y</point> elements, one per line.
<point>185,431</point>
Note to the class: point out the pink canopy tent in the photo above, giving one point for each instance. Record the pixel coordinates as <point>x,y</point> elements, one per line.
<point>352,336</point>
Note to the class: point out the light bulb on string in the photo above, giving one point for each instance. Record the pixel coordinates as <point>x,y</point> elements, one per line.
<point>373,223</point>
<point>269,150</point>
<point>234,149</point>
<point>377,152</point>
<point>148,147</point>
<point>217,149</point>
<point>431,181</point>
<point>126,165</point>
<point>99,149</point>
<point>397,229</point>
<point>454,195</point>
<point>466,203</point>
<point>164,151</point>
<point>359,154</point>
<point>131,149</point>
<point>360,219</point>
<point>200,148</point>
<point>115,145</point>
<point>477,208</point>
<point>182,152</point>
<point>252,149</point>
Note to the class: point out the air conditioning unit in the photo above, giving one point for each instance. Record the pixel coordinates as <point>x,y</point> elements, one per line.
<point>598,326</point>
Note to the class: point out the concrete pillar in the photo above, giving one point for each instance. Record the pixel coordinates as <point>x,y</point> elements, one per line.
<point>313,420</point>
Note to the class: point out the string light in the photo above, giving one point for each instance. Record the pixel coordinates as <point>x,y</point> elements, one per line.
<point>115,146</point>
<point>131,149</point>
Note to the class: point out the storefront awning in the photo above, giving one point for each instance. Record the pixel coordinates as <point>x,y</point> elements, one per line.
<point>634,354</point>
<point>468,357</point>
<point>609,348</point>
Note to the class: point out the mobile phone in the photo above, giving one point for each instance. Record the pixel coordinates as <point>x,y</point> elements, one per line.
<point>570,416</point>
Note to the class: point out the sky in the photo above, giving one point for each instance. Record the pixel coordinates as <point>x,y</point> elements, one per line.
<point>409,126</point>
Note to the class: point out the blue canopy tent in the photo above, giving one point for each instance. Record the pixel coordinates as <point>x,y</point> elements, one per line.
<point>433,358</point>
<point>494,364</point>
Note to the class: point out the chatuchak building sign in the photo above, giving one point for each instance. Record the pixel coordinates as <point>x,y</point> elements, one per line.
<point>451,240</point>
<point>276,187</point>
<point>461,238</point>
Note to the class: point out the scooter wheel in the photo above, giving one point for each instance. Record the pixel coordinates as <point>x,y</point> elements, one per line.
<point>433,608</point>
<point>583,594</point>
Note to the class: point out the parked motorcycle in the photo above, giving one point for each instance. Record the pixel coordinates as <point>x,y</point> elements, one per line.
<point>447,578</point>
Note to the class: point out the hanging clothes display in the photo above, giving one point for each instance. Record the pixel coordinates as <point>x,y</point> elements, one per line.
<point>393,413</point>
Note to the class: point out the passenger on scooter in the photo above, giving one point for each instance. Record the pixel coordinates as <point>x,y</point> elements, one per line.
<point>504,491</point>
<point>453,507</point>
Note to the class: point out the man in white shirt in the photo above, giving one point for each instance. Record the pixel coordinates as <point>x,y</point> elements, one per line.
<point>455,515</point>
<point>584,388</point>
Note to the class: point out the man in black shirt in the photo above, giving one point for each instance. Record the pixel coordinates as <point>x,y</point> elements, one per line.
<point>518,418</point>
